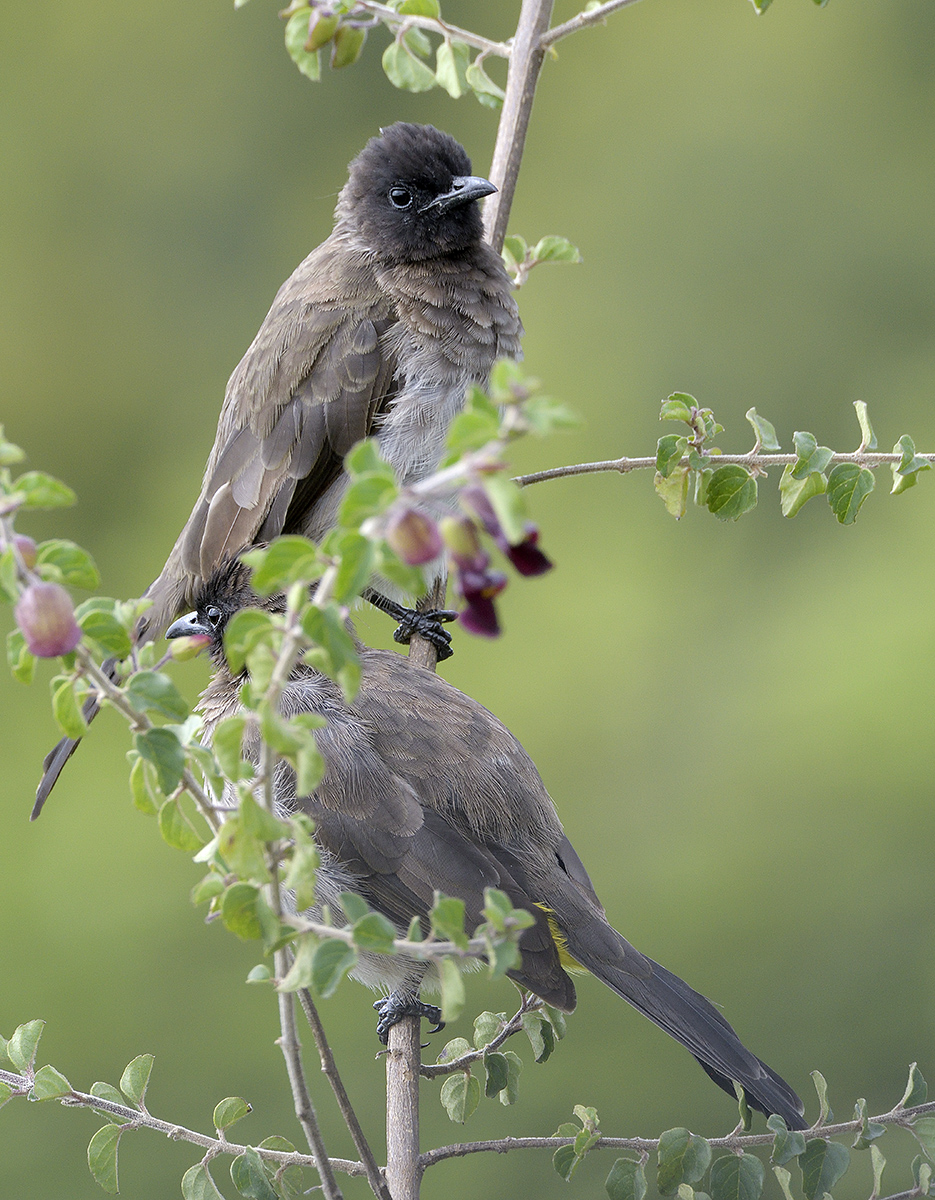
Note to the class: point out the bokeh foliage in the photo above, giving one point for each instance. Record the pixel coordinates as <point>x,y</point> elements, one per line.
<point>734,720</point>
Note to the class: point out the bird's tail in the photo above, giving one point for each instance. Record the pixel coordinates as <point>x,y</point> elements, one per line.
<point>685,1015</point>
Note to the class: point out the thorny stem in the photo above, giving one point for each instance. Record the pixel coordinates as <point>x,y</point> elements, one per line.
<point>754,460</point>
<point>329,1068</point>
<point>304,1110</point>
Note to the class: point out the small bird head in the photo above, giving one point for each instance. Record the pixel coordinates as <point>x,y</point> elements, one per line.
<point>219,597</point>
<point>411,195</point>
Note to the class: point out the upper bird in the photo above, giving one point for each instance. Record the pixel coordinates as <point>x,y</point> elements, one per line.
<point>379,331</point>
<point>424,789</point>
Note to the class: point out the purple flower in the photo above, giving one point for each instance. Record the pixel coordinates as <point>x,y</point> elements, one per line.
<point>27,550</point>
<point>525,555</point>
<point>414,536</point>
<point>46,619</point>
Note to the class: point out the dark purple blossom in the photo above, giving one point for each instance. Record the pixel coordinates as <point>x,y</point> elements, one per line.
<point>46,618</point>
<point>525,555</point>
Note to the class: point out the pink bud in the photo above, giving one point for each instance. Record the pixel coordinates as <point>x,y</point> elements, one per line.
<point>46,619</point>
<point>414,536</point>
<point>461,539</point>
<point>184,648</point>
<point>27,550</point>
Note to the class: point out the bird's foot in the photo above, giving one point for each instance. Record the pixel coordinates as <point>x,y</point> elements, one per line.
<point>429,625</point>
<point>396,1005</point>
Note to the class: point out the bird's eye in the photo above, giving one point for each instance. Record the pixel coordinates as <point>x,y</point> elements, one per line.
<point>213,614</point>
<point>400,197</point>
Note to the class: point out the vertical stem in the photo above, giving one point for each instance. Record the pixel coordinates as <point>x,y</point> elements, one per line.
<point>526,58</point>
<point>305,1113</point>
<point>404,1056</point>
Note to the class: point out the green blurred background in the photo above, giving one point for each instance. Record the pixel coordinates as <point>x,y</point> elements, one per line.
<point>735,720</point>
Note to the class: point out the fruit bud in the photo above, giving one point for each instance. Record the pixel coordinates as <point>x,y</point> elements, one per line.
<point>46,619</point>
<point>27,550</point>
<point>414,536</point>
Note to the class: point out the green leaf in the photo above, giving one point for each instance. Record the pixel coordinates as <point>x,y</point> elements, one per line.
<point>67,710</point>
<point>731,492</point>
<point>321,31</point>
<point>487,1026</point>
<point>878,1162</point>
<point>544,416</point>
<point>678,407</point>
<point>357,555</point>
<point>297,33</point>
<point>541,1037</point>
<point>555,249</point>
<point>260,823</point>
<point>626,1181</point>
<point>354,906</point>
<point>259,974</point>
<point>405,71</point>
<point>794,493</point>
<point>420,8</point>
<point>497,1074</point>
<point>669,451</point>
<point>336,655</point>
<point>177,831</point>
<point>239,911</point>
<point>564,1160</point>
<point>869,1130</point>
<point>49,1084</point>
<point>447,917</point>
<point>473,428</point>
<point>418,42</point>
<point>452,986</point>
<point>249,1177</point>
<point>556,1020</point>
<point>43,491</point>
<point>241,851</point>
<point>787,1144</point>
<point>923,1129</point>
<point>206,889</point>
<point>21,1048</point>
<point>821,1087</point>
<point>9,454</point>
<point>916,1088</point>
<point>734,1178</point>
<point>163,749</point>
<point>483,87</point>
<point>848,487</point>
<point>348,46</point>
<point>197,1183</point>
<point>765,431</point>
<point>673,491</point>
<point>374,932</point>
<point>99,620</point>
<point>905,472</point>
<point>509,505</point>
<point>227,743</point>
<point>823,1164</point>
<point>230,1111</point>
<point>368,496</point>
<point>454,1050</point>
<point>300,874</point>
<point>102,1157</point>
<point>811,456</point>
<point>331,961</point>
<point>868,439</point>
<point>22,661</point>
<point>460,1095</point>
<point>152,691</point>
<point>135,1078</point>
<point>143,787</point>
<point>510,1093</point>
<point>784,1178</point>
<point>245,631</point>
<point>451,62</point>
<point>285,561</point>
<point>107,1091</point>
<point>365,458</point>
<point>61,561</point>
<point>683,1158</point>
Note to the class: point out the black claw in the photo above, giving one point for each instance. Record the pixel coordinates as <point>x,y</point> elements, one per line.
<point>394,1007</point>
<point>427,625</point>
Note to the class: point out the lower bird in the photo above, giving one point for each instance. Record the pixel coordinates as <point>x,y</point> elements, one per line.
<point>424,790</point>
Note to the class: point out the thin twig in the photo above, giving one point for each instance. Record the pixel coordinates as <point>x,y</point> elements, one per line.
<point>137,1119</point>
<point>329,1068</point>
<point>304,1110</point>
<point>863,458</point>
<point>431,25</point>
<point>513,1025</point>
<point>582,21</point>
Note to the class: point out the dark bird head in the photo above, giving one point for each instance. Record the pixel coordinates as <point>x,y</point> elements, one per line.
<point>411,195</point>
<point>224,593</point>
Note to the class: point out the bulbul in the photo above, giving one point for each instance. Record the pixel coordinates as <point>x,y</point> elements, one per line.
<point>379,331</point>
<point>424,789</point>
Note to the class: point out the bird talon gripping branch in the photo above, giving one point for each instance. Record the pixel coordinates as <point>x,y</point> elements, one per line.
<point>396,1005</point>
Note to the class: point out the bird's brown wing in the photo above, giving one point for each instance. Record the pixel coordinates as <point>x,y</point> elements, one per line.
<point>308,388</point>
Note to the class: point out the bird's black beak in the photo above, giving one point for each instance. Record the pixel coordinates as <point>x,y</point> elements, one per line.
<point>464,189</point>
<point>189,626</point>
